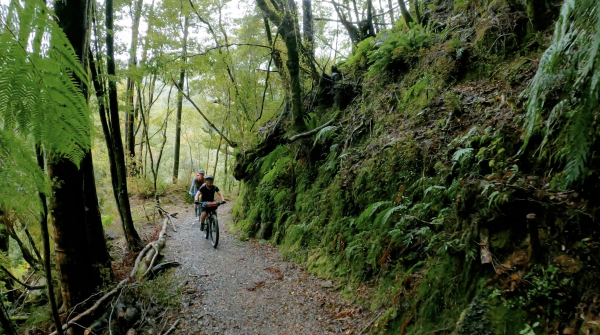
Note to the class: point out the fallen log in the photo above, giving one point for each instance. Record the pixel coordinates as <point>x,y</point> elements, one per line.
<point>143,261</point>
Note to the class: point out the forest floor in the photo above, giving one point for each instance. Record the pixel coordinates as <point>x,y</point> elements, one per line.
<point>247,288</point>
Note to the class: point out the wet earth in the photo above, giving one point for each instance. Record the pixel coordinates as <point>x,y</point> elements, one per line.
<point>246,287</point>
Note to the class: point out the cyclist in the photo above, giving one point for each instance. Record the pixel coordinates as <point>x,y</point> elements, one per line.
<point>197,182</point>
<point>207,193</point>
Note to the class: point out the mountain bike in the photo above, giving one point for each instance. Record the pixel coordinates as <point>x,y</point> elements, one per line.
<point>211,225</point>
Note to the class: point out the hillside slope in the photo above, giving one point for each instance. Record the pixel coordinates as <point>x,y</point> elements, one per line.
<point>457,189</point>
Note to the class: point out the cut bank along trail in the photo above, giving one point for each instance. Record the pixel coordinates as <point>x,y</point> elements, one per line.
<point>246,287</point>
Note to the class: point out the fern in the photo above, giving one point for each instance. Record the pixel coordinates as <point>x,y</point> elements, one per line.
<point>568,69</point>
<point>38,95</point>
<point>20,176</point>
<point>325,134</point>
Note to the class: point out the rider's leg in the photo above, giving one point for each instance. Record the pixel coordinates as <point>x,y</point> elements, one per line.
<point>203,217</point>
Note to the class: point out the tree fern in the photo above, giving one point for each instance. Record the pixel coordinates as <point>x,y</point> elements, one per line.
<point>40,100</point>
<point>569,69</point>
<point>38,92</point>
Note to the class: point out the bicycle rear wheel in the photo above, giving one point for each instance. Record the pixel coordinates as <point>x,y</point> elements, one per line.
<point>214,231</point>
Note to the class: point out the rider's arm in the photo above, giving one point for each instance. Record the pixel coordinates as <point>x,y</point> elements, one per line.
<point>192,188</point>
<point>221,195</point>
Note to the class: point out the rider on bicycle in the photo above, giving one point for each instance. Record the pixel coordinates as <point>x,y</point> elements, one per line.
<point>207,193</point>
<point>196,184</point>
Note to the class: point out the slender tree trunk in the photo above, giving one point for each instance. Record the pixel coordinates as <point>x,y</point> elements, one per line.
<point>133,239</point>
<point>208,152</point>
<point>307,20</point>
<point>7,325</point>
<point>417,12</point>
<point>407,18</point>
<point>27,255</point>
<point>217,158</point>
<point>99,88</point>
<point>355,11</point>
<point>225,172</point>
<point>180,103</point>
<point>96,239</point>
<point>391,12</point>
<point>130,112</point>
<point>382,9</point>
<point>276,54</point>
<point>370,18</point>
<point>46,243</point>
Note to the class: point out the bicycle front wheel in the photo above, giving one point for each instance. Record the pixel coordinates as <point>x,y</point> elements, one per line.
<point>206,225</point>
<point>214,231</point>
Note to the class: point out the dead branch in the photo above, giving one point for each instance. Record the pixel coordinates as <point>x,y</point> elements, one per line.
<point>29,287</point>
<point>309,133</point>
<point>172,327</point>
<point>151,256</point>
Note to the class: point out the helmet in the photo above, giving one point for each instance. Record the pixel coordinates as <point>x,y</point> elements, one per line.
<point>209,177</point>
<point>201,171</point>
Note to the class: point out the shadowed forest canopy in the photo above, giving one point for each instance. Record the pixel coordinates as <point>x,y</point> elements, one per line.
<point>436,159</point>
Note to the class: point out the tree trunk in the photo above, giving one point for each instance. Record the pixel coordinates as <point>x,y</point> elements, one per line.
<point>285,24</point>
<point>7,325</point>
<point>46,243</point>
<point>217,158</point>
<point>133,240</point>
<point>417,12</point>
<point>99,88</point>
<point>208,152</point>
<point>370,19</point>
<point>225,172</point>
<point>391,12</point>
<point>382,9</point>
<point>180,103</point>
<point>67,207</point>
<point>407,18</point>
<point>4,240</point>
<point>27,255</point>
<point>93,220</point>
<point>130,112</point>
<point>276,54</point>
<point>67,210</point>
<point>307,20</point>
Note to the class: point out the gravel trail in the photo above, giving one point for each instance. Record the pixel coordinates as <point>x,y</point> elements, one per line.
<point>246,287</point>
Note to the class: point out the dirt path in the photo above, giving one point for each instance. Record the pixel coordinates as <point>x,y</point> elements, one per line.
<point>246,288</point>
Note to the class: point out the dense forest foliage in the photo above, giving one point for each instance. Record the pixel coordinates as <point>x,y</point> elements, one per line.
<point>436,159</point>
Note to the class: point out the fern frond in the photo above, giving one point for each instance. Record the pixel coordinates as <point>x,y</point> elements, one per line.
<point>39,94</point>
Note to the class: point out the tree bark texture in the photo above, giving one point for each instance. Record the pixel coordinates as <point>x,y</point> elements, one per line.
<point>93,220</point>
<point>130,112</point>
<point>176,150</point>
<point>67,206</point>
<point>46,242</point>
<point>133,239</point>
<point>307,20</point>
<point>417,11</point>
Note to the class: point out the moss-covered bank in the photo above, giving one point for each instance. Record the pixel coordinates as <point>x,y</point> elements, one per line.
<point>422,199</point>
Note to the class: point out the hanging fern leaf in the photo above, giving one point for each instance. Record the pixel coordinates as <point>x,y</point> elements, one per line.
<point>568,69</point>
<point>325,134</point>
<point>38,93</point>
